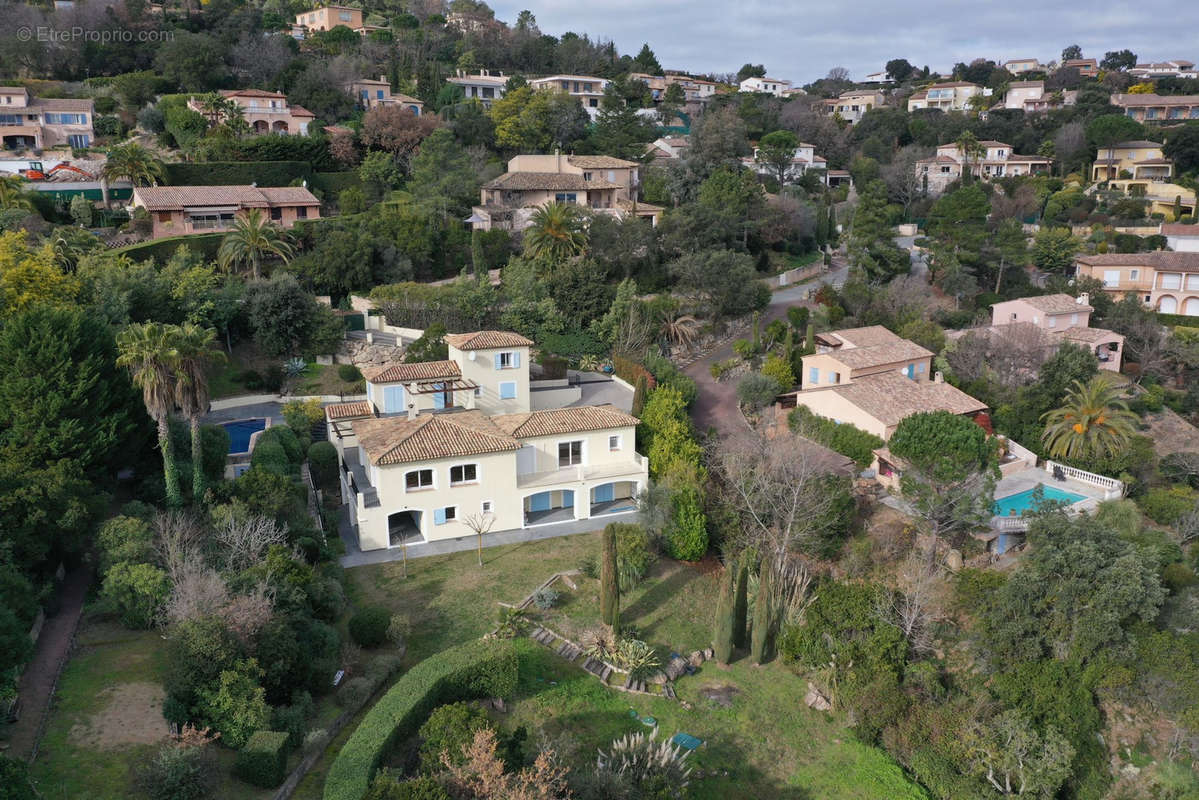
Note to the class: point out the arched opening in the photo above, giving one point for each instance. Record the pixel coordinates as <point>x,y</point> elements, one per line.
<point>614,498</point>
<point>1191,307</point>
<point>403,527</point>
<point>261,126</point>
<point>555,505</point>
<point>279,126</point>
<point>1167,305</point>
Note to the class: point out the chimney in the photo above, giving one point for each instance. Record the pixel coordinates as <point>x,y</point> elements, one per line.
<point>383,78</point>
<point>938,377</point>
<point>1084,299</point>
<point>558,157</point>
<point>413,411</point>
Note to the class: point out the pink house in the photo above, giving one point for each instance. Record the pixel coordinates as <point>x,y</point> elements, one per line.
<point>180,210</point>
<point>1067,319</point>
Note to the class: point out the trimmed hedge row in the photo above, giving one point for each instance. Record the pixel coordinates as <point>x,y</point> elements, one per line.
<point>237,173</point>
<point>1172,320</point>
<point>629,370</point>
<point>480,668</point>
<point>263,761</point>
<point>206,244</point>
<point>332,183</point>
<point>846,439</point>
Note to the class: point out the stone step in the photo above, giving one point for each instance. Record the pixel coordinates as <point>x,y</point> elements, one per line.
<point>628,682</point>
<point>604,675</point>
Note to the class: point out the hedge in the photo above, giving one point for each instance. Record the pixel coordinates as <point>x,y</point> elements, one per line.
<point>1172,320</point>
<point>237,173</point>
<point>480,668</point>
<point>206,244</point>
<point>263,761</point>
<point>629,370</point>
<point>332,183</point>
<point>848,440</point>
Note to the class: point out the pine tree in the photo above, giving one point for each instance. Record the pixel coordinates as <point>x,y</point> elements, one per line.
<point>640,388</point>
<point>763,615</point>
<point>741,604</point>
<point>722,637</point>
<point>609,590</point>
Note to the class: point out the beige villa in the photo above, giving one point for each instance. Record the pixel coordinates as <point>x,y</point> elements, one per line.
<point>442,446</point>
<point>996,160</point>
<point>872,379</point>
<point>370,93</point>
<point>603,184</point>
<point>1065,319</point>
<point>266,112</point>
<point>1164,281</point>
<point>37,123</point>
<point>326,18</point>
<point>178,210</point>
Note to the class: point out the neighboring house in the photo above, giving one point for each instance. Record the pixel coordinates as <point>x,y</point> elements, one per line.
<point>1019,66</point>
<point>998,161</point>
<point>1066,319</point>
<point>804,159</point>
<point>486,87</point>
<point>851,106</point>
<point>1179,68</point>
<point>878,77</point>
<point>439,443</point>
<point>373,94</point>
<point>1140,168</point>
<point>871,378</point>
<point>667,149</point>
<point>587,88</point>
<point>774,86</point>
<point>37,123</point>
<point>1164,281</point>
<point>1182,238</point>
<point>266,112</point>
<point>329,17</point>
<point>1087,67</point>
<point>1156,108</point>
<point>954,96</point>
<point>178,210</point>
<point>601,183</point>
<point>1030,96</point>
<point>471,23</point>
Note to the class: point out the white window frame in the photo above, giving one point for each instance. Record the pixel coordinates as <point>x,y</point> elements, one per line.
<point>582,452</point>
<point>446,511</point>
<point>509,357</point>
<point>1111,278</point>
<point>432,479</point>
<point>619,441</point>
<point>463,467</point>
<point>487,507</point>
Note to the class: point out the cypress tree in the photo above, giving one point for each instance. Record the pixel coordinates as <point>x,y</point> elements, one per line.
<point>763,615</point>
<point>741,604</point>
<point>476,256</point>
<point>832,224</point>
<point>757,331</point>
<point>722,637</point>
<point>789,346</point>
<point>1177,207</point>
<point>609,590</point>
<point>639,391</point>
<point>809,340</point>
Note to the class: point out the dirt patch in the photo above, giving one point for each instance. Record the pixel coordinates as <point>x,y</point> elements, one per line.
<point>721,694</point>
<point>132,714</point>
<point>1171,433</point>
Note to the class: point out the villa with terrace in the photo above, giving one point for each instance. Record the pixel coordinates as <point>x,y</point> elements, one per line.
<point>1064,319</point>
<point>440,448</point>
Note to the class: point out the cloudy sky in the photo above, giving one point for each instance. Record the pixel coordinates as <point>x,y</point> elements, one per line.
<point>801,41</point>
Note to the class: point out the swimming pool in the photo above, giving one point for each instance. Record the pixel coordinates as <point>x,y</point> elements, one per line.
<point>1023,502</point>
<point>240,432</point>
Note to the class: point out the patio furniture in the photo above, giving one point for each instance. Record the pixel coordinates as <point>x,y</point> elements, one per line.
<point>1058,473</point>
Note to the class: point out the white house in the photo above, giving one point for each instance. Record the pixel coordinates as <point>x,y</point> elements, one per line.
<point>996,160</point>
<point>1181,238</point>
<point>804,159</point>
<point>953,96</point>
<point>441,446</point>
<point>774,86</point>
<point>485,87</point>
<point>588,89</point>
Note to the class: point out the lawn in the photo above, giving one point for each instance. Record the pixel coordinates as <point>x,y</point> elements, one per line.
<point>766,743</point>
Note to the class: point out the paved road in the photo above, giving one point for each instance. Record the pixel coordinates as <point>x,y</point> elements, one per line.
<point>716,404</point>
<point>919,263</point>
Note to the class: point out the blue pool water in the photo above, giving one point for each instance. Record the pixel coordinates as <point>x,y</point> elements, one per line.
<point>1023,501</point>
<point>240,432</point>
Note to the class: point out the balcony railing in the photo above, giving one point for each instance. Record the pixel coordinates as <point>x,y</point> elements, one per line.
<point>580,473</point>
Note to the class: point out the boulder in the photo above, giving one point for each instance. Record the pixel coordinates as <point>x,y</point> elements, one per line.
<point>815,699</point>
<point>953,560</point>
<point>696,659</point>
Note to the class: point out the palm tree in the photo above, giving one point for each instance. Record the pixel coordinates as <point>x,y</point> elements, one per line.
<point>253,237</point>
<point>556,232</point>
<point>679,329</point>
<point>971,149</point>
<point>1093,422</point>
<point>133,163</point>
<point>149,351</point>
<point>12,194</point>
<point>197,351</point>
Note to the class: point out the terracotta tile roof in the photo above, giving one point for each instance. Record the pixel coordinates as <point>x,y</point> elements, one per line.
<point>355,410</point>
<point>1152,162</point>
<point>880,354</point>
<point>419,371</point>
<point>1078,333</point>
<point>1137,143</point>
<point>176,198</point>
<point>1029,159</point>
<point>399,440</point>
<point>252,93</point>
<point>300,111</point>
<point>993,143</point>
<point>403,98</point>
<point>890,397</point>
<point>1155,100</point>
<point>953,85</point>
<point>867,336</point>
<point>1056,303</point>
<point>1158,259</point>
<point>13,90</point>
<point>60,104</point>
<point>1179,229</point>
<point>487,340</point>
<point>546,181</point>
<point>921,95</point>
<point>553,422</point>
<point>599,162</point>
<point>627,205</point>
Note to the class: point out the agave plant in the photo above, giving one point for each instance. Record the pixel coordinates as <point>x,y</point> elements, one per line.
<point>636,657</point>
<point>599,643</point>
<point>590,363</point>
<point>294,366</point>
<point>512,623</point>
<point>644,762</point>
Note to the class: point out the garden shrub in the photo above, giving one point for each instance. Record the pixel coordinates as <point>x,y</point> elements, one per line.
<point>263,761</point>
<point>481,668</point>
<point>687,534</point>
<point>293,719</point>
<point>368,627</point>
<point>1178,576</point>
<point>667,373</point>
<point>387,787</point>
<point>272,378</point>
<point>354,693</point>
<point>285,437</point>
<point>124,538</point>
<point>322,462</point>
<point>135,592</point>
<point>301,415</point>
<point>633,555</point>
<point>271,456</point>
<point>545,598</point>
<point>756,391</point>
<point>179,773</point>
<point>846,439</point>
<point>1165,505</point>
<point>448,729</point>
<point>349,373</point>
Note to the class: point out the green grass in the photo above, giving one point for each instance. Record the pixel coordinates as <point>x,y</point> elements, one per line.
<point>767,744</point>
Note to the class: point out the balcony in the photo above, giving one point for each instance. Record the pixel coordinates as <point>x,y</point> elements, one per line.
<point>580,473</point>
<point>358,479</point>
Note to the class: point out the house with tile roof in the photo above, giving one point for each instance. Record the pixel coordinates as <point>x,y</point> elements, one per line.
<point>1164,281</point>
<point>949,96</point>
<point>1141,160</point>
<point>852,105</point>
<point>369,93</point>
<point>440,445</point>
<point>872,378</point>
<point>266,112</point>
<point>803,160</point>
<point>38,123</point>
<point>1087,67</point>
<point>1030,96</point>
<point>180,210</point>
<point>603,184</point>
<point>998,160</point>
<point>485,86</point>
<point>1018,66</point>
<point>1181,237</point>
<point>774,86</point>
<point>1064,319</point>
<point>1158,108</point>
<point>587,88</point>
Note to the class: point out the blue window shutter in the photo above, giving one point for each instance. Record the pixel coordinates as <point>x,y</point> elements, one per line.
<point>516,358</point>
<point>497,361</point>
<point>508,390</point>
<point>393,399</point>
<point>439,516</point>
<point>813,375</point>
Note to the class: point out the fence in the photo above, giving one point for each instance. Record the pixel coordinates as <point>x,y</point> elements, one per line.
<point>1112,488</point>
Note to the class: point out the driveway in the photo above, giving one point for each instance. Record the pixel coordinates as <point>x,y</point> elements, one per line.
<point>716,403</point>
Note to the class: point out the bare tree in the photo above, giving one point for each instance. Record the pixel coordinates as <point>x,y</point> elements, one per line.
<point>479,524</point>
<point>179,539</point>
<point>914,607</point>
<point>1017,205</point>
<point>1069,143</point>
<point>246,537</point>
<point>837,74</point>
<point>197,591</point>
<point>780,491</point>
<point>791,589</point>
<point>247,614</point>
<point>905,184</point>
